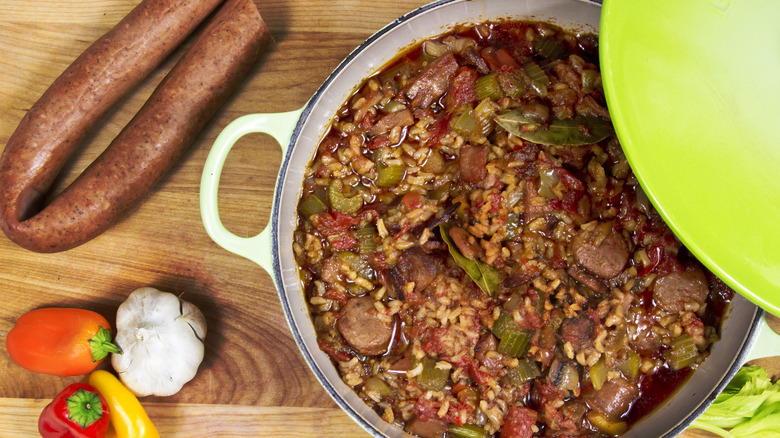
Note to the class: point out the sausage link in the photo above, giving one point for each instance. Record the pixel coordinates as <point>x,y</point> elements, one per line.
<point>147,147</point>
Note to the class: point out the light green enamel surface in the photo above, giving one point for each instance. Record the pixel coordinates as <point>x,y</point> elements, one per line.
<point>693,88</point>
<point>767,343</point>
<point>256,248</point>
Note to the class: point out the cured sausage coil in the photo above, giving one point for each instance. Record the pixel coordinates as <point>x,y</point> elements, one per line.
<point>153,140</point>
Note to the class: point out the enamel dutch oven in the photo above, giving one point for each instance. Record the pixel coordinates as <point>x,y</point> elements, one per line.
<point>299,132</point>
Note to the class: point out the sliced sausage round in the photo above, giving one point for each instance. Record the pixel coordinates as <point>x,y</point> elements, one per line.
<point>360,327</point>
<point>672,291</point>
<point>605,258</point>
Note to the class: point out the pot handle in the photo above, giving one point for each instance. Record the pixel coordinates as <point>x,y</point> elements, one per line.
<point>256,248</point>
<point>767,343</point>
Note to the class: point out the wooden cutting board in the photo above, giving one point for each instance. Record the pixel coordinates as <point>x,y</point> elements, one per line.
<point>253,381</point>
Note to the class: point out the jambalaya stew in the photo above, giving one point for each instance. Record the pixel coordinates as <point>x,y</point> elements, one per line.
<point>478,257</point>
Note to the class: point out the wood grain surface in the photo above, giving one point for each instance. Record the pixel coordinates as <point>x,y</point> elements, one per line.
<point>253,381</point>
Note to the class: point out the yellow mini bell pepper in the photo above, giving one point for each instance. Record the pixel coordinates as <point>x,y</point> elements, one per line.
<point>128,417</point>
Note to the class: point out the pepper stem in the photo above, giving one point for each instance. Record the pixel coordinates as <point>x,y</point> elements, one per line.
<point>100,345</point>
<point>84,408</point>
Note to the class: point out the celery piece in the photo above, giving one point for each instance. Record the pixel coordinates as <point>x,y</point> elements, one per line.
<point>539,80</point>
<point>514,342</point>
<point>483,115</point>
<point>357,264</point>
<point>340,202</point>
<point>548,178</point>
<point>388,176</point>
<point>525,371</point>
<point>466,124</point>
<point>393,106</point>
<point>683,352</point>
<point>310,205</point>
<point>512,84</point>
<point>550,48</point>
<point>598,374</point>
<point>489,87</point>
<point>432,378</point>
<point>365,236</point>
<point>630,365</point>
<point>502,323</point>
<point>591,79</point>
<point>606,425</point>
<point>466,431</point>
<point>376,385</point>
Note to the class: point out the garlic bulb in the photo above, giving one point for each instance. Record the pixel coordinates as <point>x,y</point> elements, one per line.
<point>161,337</point>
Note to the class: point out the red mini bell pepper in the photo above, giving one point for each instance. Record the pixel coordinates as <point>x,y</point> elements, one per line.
<point>78,411</point>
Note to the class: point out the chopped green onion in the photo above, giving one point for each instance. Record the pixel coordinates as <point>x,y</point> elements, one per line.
<point>340,202</point>
<point>466,431</point>
<point>525,371</point>
<point>683,353</point>
<point>376,385</point>
<point>388,176</point>
<point>514,342</point>
<point>310,205</point>
<point>598,374</point>
<point>488,87</point>
<point>466,125</point>
<point>432,378</point>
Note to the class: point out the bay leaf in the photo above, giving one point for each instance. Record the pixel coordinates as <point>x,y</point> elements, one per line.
<point>579,131</point>
<point>485,276</point>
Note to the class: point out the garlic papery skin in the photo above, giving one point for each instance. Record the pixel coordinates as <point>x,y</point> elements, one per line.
<point>161,337</point>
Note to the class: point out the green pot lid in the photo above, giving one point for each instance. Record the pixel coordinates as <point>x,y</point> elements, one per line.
<point>693,87</point>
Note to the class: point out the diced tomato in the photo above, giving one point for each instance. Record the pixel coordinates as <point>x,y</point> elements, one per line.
<point>518,423</point>
<point>333,222</point>
<point>506,60</point>
<point>427,409</point>
<point>333,294</point>
<point>336,353</point>
<point>329,145</point>
<point>412,201</point>
<point>463,88</point>
<point>378,142</point>
<point>343,241</point>
<point>367,122</point>
<point>495,203</point>
<point>438,129</point>
<point>569,180</point>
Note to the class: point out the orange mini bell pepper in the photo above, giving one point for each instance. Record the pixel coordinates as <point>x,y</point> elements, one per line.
<point>60,341</point>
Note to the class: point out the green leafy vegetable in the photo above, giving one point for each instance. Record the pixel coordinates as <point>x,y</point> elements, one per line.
<point>485,276</point>
<point>749,406</point>
<point>578,131</point>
